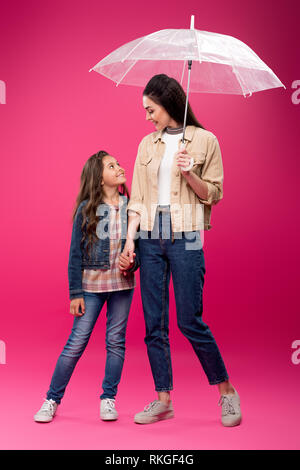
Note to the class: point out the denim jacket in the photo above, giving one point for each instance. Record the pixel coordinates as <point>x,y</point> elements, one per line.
<point>99,259</point>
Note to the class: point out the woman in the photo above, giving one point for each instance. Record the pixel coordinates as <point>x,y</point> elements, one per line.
<point>173,190</point>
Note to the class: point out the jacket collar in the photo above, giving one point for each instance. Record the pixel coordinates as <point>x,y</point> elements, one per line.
<point>189,133</point>
<point>122,203</point>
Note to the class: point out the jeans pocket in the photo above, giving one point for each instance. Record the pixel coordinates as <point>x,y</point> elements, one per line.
<point>192,240</point>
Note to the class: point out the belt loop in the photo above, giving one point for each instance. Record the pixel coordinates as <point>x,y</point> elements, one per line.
<point>172,236</point>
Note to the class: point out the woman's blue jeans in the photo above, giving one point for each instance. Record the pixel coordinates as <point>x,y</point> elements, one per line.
<point>118,306</point>
<point>184,258</point>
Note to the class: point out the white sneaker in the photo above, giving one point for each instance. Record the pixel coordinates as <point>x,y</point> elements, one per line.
<point>108,411</point>
<point>231,411</point>
<point>47,412</point>
<point>155,411</point>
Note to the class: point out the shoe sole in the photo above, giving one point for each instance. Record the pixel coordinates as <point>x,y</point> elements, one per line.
<point>155,419</point>
<point>39,420</point>
<point>232,425</point>
<point>109,419</point>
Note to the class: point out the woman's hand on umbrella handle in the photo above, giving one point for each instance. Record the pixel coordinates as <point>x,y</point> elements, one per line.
<point>183,159</point>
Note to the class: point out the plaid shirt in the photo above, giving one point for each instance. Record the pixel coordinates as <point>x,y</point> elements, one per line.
<point>100,280</point>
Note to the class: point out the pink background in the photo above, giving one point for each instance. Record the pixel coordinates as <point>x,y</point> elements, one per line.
<point>56,115</point>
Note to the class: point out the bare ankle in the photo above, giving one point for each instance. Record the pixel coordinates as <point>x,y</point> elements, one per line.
<point>225,388</point>
<point>164,397</point>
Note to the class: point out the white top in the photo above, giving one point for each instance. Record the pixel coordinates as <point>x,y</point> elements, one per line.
<point>164,172</point>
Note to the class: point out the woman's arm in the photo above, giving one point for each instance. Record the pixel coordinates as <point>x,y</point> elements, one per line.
<point>206,180</point>
<point>135,205</point>
<point>198,186</point>
<point>133,223</point>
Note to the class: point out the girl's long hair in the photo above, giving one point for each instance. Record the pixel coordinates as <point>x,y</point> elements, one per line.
<point>91,190</point>
<point>168,93</point>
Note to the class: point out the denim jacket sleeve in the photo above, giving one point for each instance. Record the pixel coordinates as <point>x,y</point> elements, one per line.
<point>75,258</point>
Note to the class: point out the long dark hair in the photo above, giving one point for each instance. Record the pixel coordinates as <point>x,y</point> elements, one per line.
<point>168,93</point>
<point>91,190</point>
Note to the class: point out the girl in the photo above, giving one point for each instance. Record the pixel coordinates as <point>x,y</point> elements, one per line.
<point>96,277</point>
<point>173,190</point>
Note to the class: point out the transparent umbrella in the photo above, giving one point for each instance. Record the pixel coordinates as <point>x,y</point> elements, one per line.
<point>221,63</point>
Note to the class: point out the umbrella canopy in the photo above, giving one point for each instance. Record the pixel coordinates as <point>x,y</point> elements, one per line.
<point>221,63</point>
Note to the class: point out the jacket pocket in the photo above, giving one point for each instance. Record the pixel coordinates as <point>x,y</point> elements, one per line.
<point>145,160</point>
<point>146,168</point>
<point>199,157</point>
<point>199,160</point>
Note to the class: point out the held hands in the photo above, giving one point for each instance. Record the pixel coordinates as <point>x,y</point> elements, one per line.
<point>124,263</point>
<point>77,307</point>
<point>126,260</point>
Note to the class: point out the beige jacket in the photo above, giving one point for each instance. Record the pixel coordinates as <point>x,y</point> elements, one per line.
<point>188,211</point>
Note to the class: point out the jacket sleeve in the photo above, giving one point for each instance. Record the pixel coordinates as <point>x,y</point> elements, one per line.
<point>212,172</point>
<point>75,258</point>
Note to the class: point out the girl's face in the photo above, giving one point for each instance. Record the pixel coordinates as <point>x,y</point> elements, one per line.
<point>113,174</point>
<point>158,115</point>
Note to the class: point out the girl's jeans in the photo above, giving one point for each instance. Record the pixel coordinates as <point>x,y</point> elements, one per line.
<point>118,306</point>
<point>185,260</point>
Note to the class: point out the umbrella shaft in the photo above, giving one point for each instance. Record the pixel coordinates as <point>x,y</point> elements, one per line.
<point>187,98</point>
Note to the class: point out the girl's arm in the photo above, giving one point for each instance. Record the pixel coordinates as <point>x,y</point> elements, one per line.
<point>77,307</point>
<point>75,258</point>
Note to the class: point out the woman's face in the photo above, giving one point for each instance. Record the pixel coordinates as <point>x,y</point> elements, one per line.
<point>157,115</point>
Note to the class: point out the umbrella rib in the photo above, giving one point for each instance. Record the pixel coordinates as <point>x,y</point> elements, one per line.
<point>236,73</point>
<point>137,45</point>
<point>198,45</point>
<point>239,79</point>
<point>184,62</point>
<point>175,34</point>
<point>123,60</point>
<point>182,75</point>
<point>128,70</point>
